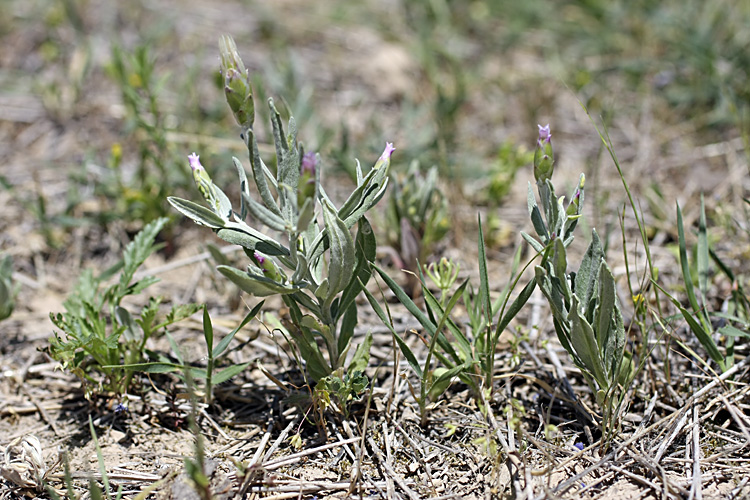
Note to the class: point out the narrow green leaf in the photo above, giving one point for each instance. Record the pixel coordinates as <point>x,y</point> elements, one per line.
<point>365,248</point>
<point>732,331</point>
<point>247,237</point>
<point>260,176</point>
<point>514,309</point>
<point>538,247</point>
<point>256,285</point>
<point>175,347</point>
<point>154,367</point>
<point>704,337</point>
<point>263,214</point>
<point>408,354</point>
<point>685,264</point>
<point>229,372</point>
<point>584,342</point>
<point>208,331</point>
<point>361,356</point>
<point>703,262</point>
<point>484,283</point>
<point>536,215</point>
<point>221,346</point>
<point>585,282</point>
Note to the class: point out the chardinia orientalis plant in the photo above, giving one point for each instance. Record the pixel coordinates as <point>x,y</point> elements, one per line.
<point>317,267</point>
<point>585,309</point>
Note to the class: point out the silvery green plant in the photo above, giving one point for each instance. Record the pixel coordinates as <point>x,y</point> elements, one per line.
<point>317,267</point>
<point>417,215</point>
<point>585,309</point>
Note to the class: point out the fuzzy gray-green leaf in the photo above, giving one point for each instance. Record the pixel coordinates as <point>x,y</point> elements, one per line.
<point>198,213</point>
<point>256,285</point>
<point>341,244</point>
<point>582,339</point>
<point>585,284</point>
<point>263,214</point>
<point>247,237</point>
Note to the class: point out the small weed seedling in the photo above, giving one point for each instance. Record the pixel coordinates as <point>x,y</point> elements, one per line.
<point>207,374</point>
<point>99,334</point>
<point>417,216</point>
<point>322,267</point>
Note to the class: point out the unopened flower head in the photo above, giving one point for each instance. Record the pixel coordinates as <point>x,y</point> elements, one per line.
<point>267,266</point>
<point>308,173</point>
<point>544,162</point>
<point>230,57</point>
<point>237,87</point>
<point>202,179</point>
<point>385,158</point>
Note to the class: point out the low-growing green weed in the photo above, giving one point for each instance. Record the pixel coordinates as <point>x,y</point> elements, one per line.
<point>141,197</point>
<point>214,353</point>
<point>99,335</point>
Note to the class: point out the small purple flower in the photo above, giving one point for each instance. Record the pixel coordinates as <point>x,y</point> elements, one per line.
<point>307,177</point>
<point>195,162</point>
<point>544,162</point>
<point>578,446</point>
<point>309,163</point>
<point>544,135</point>
<point>385,158</point>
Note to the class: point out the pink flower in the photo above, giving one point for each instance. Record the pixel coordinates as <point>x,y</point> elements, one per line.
<point>195,162</point>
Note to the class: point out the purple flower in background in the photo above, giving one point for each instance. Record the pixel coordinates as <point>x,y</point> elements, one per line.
<point>544,162</point>
<point>309,162</point>
<point>307,177</point>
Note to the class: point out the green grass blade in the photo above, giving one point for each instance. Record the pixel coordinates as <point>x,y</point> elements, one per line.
<point>208,331</point>
<point>703,262</point>
<point>408,354</point>
<point>221,346</point>
<point>703,336</point>
<point>686,275</point>
<point>484,282</point>
<point>229,372</point>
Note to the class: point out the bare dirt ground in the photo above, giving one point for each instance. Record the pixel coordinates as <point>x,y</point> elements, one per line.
<point>687,436</point>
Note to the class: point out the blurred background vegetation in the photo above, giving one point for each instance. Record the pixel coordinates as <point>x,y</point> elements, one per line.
<point>102,101</point>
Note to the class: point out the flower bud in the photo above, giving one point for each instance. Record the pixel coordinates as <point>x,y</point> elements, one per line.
<point>307,177</point>
<point>544,163</point>
<point>574,207</point>
<point>268,267</point>
<point>202,179</point>
<point>237,89</point>
<point>385,158</point>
